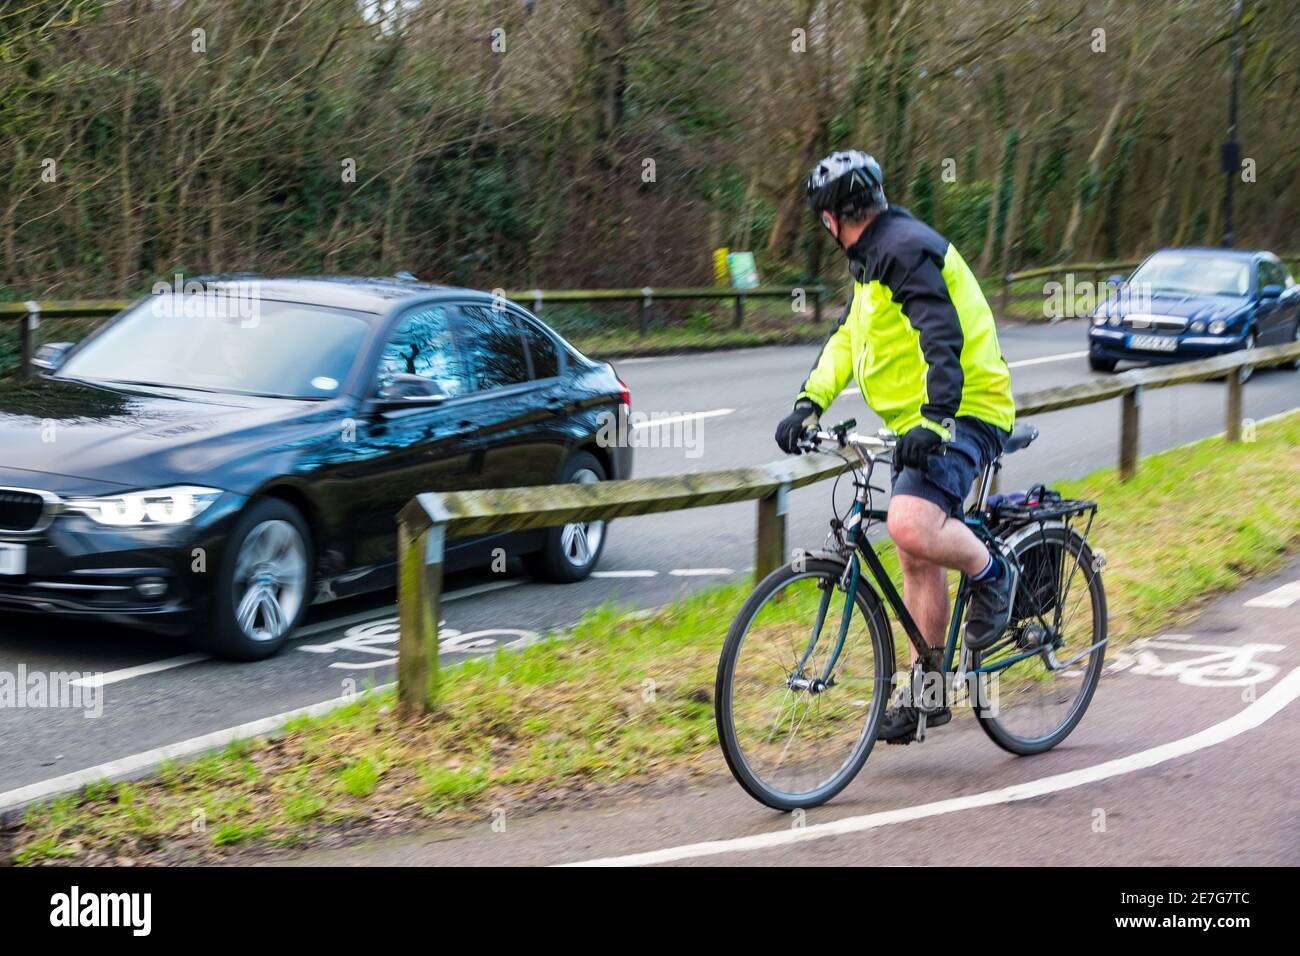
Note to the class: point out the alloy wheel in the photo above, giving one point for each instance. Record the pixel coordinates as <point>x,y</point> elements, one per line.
<point>270,580</point>
<point>580,540</point>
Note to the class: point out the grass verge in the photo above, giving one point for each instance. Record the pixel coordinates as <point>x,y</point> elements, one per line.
<point>627,700</point>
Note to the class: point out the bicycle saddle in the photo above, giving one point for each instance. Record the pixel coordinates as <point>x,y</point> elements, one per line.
<point>1021,437</point>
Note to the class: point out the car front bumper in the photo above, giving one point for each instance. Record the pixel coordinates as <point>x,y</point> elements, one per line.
<point>1111,343</point>
<point>152,577</point>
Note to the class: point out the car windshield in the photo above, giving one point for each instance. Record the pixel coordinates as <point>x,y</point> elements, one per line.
<point>225,343</point>
<point>1194,274</point>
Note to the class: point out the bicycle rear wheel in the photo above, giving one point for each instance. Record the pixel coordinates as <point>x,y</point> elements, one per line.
<point>797,720</point>
<point>1029,707</point>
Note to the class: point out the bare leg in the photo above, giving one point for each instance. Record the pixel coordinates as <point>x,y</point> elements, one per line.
<point>928,542</point>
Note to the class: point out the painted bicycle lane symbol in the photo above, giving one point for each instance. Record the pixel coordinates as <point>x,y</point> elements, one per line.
<point>1214,665</point>
<point>376,642</point>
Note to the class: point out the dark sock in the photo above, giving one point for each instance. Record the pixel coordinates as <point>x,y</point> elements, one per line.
<point>992,571</point>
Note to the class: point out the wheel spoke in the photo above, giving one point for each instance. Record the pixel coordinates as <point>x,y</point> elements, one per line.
<point>246,613</point>
<point>581,554</point>
<point>272,613</point>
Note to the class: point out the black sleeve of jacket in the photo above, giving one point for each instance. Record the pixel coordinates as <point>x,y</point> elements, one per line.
<point>918,287</point>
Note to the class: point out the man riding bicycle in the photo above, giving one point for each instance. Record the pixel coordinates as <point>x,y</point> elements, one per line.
<point>919,338</point>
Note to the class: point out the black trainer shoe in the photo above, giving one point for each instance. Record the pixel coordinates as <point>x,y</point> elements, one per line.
<point>990,607</point>
<point>899,725</point>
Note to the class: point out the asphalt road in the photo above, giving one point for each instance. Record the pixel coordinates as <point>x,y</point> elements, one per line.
<point>156,693</point>
<point>1186,731</point>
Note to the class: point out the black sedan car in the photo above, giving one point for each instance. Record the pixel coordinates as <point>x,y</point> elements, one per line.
<point>215,459</point>
<point>1185,304</point>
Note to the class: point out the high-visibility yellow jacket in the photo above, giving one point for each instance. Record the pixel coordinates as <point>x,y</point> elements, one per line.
<point>917,334</point>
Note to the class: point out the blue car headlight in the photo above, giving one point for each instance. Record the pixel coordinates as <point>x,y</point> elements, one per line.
<point>1197,326</point>
<point>1218,326</point>
<point>157,506</point>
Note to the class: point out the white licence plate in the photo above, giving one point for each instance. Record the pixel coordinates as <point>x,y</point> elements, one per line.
<point>13,558</point>
<point>1153,343</point>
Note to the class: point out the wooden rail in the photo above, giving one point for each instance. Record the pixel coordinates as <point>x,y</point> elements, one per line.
<point>430,519</point>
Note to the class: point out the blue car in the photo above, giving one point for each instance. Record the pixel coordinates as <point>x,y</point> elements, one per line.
<point>1184,304</point>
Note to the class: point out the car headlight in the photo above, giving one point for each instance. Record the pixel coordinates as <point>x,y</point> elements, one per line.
<point>155,506</point>
<point>1218,326</point>
<point>1099,319</point>
<point>1197,326</point>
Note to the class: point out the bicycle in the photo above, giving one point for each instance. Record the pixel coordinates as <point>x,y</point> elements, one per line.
<point>780,685</point>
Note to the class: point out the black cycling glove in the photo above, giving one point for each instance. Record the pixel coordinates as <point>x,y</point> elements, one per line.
<point>806,415</point>
<point>916,446</point>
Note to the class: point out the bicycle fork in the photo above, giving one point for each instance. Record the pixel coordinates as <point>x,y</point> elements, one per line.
<point>815,685</point>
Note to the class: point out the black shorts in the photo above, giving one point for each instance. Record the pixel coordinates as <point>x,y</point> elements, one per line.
<point>946,479</point>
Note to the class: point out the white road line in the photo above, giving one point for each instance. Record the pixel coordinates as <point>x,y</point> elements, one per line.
<point>700,572</point>
<point>1044,359</point>
<point>656,422</point>
<point>1284,596</point>
<point>141,762</point>
<point>623,574</point>
<point>1268,705</point>
<point>126,673</point>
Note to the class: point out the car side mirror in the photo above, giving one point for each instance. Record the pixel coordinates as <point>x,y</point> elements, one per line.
<point>50,356</point>
<point>1270,292</point>
<point>404,390</point>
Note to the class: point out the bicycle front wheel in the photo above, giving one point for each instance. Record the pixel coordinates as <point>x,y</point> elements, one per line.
<point>1031,705</point>
<point>801,691</point>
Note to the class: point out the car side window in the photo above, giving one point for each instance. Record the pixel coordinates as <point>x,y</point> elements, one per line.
<point>422,345</point>
<point>1270,273</point>
<point>494,347</point>
<point>541,349</point>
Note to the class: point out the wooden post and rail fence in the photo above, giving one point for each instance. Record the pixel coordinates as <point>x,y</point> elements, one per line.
<point>32,314</point>
<point>431,519</point>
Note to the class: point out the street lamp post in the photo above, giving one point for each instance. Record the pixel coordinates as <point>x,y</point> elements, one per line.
<point>1231,153</point>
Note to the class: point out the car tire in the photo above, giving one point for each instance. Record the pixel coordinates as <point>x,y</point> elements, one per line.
<point>1294,365</point>
<point>1098,364</point>
<point>264,582</point>
<point>1248,345</point>
<point>569,553</point>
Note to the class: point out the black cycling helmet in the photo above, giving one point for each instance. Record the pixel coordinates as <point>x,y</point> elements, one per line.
<point>846,184</point>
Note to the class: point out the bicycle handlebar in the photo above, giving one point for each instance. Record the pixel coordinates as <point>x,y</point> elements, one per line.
<point>881,442</point>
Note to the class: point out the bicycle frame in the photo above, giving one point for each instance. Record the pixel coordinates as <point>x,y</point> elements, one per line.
<point>859,518</point>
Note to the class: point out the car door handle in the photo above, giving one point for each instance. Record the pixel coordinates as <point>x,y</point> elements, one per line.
<point>557,405</point>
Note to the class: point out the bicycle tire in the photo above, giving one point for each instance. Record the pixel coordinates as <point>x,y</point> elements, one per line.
<point>1070,543</point>
<point>870,606</point>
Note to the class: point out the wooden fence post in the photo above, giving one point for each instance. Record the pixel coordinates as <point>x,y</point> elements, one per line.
<point>419,606</point>
<point>1006,295</point>
<point>643,312</point>
<point>817,305</point>
<point>740,311</point>
<point>769,551</point>
<point>537,302</point>
<point>1233,422</point>
<point>31,324</point>
<point>1128,432</point>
